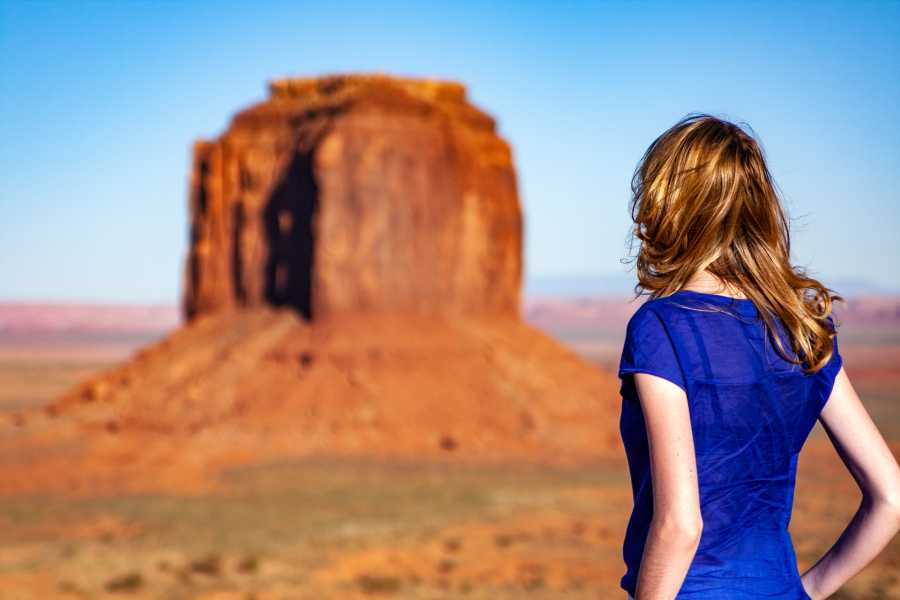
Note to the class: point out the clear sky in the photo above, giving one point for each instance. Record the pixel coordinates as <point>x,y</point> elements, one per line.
<point>101,101</point>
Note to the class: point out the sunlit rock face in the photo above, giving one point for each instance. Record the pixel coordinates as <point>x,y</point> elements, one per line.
<point>356,193</point>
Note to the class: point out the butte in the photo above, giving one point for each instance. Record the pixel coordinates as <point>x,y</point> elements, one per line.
<point>352,288</point>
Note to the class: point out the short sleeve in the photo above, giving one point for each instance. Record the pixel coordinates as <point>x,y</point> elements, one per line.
<point>648,348</point>
<point>826,376</point>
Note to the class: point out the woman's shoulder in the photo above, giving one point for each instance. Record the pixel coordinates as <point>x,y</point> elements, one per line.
<point>646,310</point>
<point>651,315</point>
<point>661,307</point>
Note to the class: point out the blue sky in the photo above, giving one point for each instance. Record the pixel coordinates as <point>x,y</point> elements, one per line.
<point>100,104</point>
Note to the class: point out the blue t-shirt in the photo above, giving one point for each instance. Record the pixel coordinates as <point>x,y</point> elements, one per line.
<point>751,412</point>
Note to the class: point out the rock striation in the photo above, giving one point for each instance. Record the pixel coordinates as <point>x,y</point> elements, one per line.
<point>356,193</point>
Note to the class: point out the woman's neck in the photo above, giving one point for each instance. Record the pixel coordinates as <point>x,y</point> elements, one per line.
<point>706,282</point>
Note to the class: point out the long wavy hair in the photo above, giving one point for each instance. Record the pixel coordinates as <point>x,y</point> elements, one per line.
<point>703,198</point>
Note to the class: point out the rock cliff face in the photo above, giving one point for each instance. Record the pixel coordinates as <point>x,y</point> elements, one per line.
<point>356,193</point>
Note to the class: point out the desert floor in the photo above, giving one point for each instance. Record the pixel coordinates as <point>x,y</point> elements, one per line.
<point>328,527</point>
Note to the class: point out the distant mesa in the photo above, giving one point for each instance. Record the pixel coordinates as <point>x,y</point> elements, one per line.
<point>352,288</point>
<point>356,193</point>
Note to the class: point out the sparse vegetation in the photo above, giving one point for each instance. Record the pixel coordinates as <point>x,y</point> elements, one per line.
<point>128,582</point>
<point>378,584</point>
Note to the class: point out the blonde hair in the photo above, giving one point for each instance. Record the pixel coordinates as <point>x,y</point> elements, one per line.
<point>703,198</point>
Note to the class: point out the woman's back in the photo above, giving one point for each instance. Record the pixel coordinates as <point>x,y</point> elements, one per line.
<point>751,412</point>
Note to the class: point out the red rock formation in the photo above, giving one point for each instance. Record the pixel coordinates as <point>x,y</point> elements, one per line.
<point>352,289</point>
<point>357,192</point>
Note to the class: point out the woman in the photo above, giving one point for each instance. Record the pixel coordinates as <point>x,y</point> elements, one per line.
<point>725,370</point>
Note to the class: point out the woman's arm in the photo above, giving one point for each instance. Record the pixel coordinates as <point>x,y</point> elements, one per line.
<point>871,463</point>
<point>675,530</point>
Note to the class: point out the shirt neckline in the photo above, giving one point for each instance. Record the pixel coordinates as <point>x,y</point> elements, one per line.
<point>716,296</point>
<point>744,305</point>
